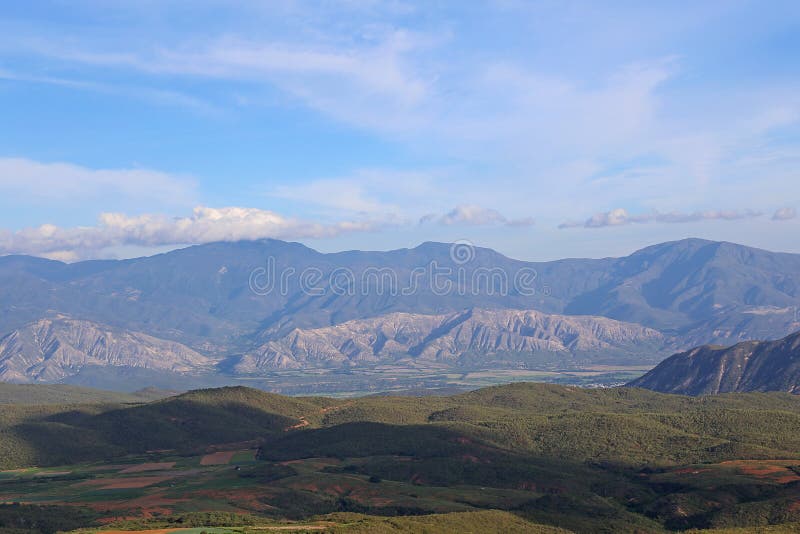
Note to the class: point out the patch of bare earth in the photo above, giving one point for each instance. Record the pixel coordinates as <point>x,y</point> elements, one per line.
<point>124,483</point>
<point>152,466</point>
<point>218,458</point>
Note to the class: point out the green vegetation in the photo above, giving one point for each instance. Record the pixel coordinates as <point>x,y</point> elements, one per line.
<point>603,460</point>
<point>22,519</point>
<point>61,394</point>
<point>462,523</point>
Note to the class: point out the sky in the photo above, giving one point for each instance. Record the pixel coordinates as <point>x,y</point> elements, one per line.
<point>543,129</point>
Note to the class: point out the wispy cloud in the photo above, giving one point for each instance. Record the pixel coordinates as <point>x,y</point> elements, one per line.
<point>33,180</point>
<point>366,191</point>
<point>784,214</point>
<point>161,97</point>
<point>620,217</point>
<point>351,83</point>
<point>205,225</point>
<point>472,215</point>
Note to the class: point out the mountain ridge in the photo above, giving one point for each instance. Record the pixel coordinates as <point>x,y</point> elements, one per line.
<point>202,297</point>
<point>51,349</point>
<point>713,369</point>
<point>449,337</point>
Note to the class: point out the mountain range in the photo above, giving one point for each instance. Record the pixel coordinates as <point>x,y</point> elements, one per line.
<point>255,306</point>
<point>48,350</point>
<point>485,334</point>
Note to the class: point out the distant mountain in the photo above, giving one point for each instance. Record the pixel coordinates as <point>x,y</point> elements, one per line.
<point>747,366</point>
<point>225,300</point>
<point>49,350</point>
<point>484,335</point>
<point>704,290</point>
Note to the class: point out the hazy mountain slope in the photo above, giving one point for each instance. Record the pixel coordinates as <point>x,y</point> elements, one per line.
<point>748,366</point>
<point>714,291</point>
<point>201,296</point>
<point>451,337</point>
<point>51,349</point>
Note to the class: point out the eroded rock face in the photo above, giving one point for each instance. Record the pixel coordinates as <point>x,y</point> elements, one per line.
<point>446,337</point>
<point>748,366</point>
<point>50,349</point>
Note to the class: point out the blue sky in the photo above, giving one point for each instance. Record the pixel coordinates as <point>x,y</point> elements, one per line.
<point>544,129</point>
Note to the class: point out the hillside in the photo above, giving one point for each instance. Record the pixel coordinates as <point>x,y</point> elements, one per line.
<point>621,425</point>
<point>485,335</point>
<point>58,394</point>
<point>206,299</point>
<point>51,349</point>
<point>585,460</point>
<point>749,366</point>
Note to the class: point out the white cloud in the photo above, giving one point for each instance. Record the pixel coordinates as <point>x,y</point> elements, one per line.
<point>620,217</point>
<point>356,83</point>
<point>60,182</point>
<point>365,191</point>
<point>784,214</point>
<point>472,215</point>
<point>205,225</point>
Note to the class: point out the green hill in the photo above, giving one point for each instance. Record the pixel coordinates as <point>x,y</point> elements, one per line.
<point>625,459</point>
<point>63,394</point>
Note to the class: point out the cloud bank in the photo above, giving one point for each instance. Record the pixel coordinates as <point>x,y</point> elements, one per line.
<point>620,217</point>
<point>205,225</point>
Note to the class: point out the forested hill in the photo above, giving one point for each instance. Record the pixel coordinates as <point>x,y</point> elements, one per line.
<point>748,366</point>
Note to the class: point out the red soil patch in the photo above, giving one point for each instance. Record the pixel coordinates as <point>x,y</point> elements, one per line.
<point>246,500</point>
<point>775,470</point>
<point>145,507</point>
<point>124,483</point>
<point>218,458</point>
<point>761,471</point>
<point>153,466</point>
